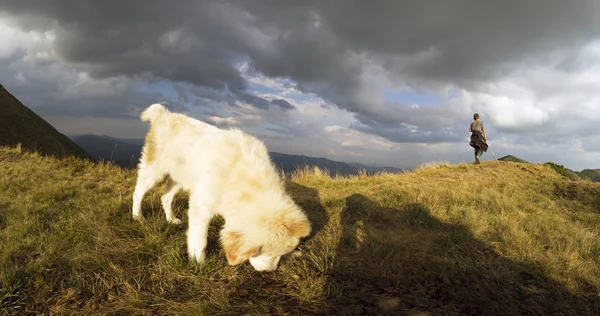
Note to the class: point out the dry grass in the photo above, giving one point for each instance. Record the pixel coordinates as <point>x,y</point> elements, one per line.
<point>433,164</point>
<point>505,238</point>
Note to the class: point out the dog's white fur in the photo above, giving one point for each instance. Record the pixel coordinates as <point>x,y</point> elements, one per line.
<point>226,172</point>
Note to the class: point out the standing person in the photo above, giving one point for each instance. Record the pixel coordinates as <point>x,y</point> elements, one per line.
<point>478,137</point>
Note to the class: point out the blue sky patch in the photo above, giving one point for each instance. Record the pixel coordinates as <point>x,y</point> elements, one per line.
<point>408,97</point>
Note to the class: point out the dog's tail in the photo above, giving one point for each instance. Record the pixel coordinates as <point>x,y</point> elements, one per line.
<point>152,112</point>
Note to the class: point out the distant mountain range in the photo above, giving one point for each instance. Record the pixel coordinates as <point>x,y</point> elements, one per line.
<point>126,153</point>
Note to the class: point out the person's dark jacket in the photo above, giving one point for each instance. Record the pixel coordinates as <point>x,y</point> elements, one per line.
<point>477,141</point>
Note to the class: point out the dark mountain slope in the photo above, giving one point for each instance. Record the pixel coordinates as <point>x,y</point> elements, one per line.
<point>19,124</point>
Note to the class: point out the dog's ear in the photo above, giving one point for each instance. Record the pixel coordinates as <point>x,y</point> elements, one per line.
<point>298,227</point>
<point>236,252</point>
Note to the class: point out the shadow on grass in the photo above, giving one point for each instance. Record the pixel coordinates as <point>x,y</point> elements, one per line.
<point>401,261</point>
<point>308,199</point>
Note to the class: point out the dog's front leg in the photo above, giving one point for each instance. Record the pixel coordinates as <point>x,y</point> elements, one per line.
<point>199,218</point>
<point>167,201</point>
<point>148,176</point>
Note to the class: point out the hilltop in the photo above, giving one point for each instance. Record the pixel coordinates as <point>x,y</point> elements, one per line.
<point>512,158</point>
<point>126,153</point>
<point>494,239</point>
<point>586,174</point>
<point>20,125</point>
<point>590,174</point>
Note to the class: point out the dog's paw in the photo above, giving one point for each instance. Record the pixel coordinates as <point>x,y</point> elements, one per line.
<point>175,221</point>
<point>138,218</point>
<point>196,255</point>
<point>197,258</point>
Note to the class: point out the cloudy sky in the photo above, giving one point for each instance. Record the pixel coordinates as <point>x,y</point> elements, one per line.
<point>390,83</point>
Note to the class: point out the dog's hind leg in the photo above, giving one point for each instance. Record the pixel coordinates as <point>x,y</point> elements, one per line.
<point>167,201</point>
<point>148,176</point>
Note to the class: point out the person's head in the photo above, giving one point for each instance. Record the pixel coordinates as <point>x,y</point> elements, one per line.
<point>476,116</point>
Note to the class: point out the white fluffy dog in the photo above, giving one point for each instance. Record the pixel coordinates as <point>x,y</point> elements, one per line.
<point>226,172</point>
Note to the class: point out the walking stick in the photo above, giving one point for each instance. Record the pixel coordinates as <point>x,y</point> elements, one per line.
<point>490,147</point>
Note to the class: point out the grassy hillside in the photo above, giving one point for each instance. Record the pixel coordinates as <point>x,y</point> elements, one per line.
<point>495,239</point>
<point>20,125</point>
<point>586,174</point>
<point>590,174</point>
<point>565,172</point>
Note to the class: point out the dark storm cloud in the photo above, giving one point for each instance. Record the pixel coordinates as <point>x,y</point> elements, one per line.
<point>467,40</point>
<point>185,41</point>
<point>424,43</point>
<point>283,104</point>
<point>252,99</point>
<point>324,46</point>
<point>405,133</point>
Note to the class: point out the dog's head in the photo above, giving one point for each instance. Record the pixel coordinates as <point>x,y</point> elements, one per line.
<point>264,243</point>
